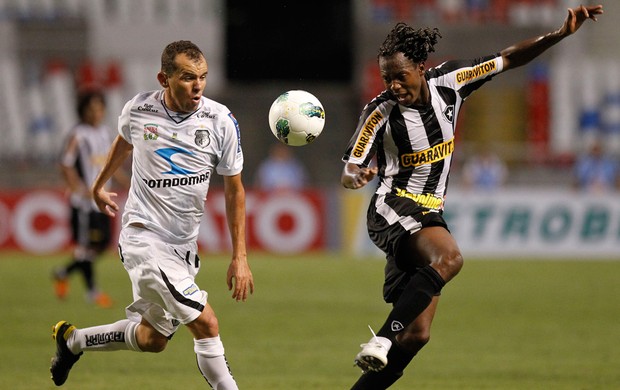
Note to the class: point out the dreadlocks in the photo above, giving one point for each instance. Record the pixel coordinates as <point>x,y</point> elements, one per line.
<point>414,44</point>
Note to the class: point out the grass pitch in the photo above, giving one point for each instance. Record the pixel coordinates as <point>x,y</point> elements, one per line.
<point>500,325</point>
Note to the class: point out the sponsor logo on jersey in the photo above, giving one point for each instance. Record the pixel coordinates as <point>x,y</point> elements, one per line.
<point>189,177</point>
<point>368,131</point>
<point>167,153</point>
<point>177,181</point>
<point>147,107</point>
<point>105,338</point>
<point>202,138</point>
<point>396,326</point>
<point>476,72</point>
<point>428,156</point>
<point>150,132</point>
<point>206,114</point>
<point>426,200</point>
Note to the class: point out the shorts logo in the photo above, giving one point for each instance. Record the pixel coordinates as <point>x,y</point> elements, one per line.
<point>396,326</point>
<point>202,138</point>
<point>190,290</point>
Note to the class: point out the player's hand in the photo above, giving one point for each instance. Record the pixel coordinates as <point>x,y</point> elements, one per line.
<point>576,17</point>
<point>354,177</point>
<point>239,279</point>
<point>104,201</point>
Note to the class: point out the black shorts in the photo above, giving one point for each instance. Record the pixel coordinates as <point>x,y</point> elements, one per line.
<point>90,229</point>
<point>389,219</point>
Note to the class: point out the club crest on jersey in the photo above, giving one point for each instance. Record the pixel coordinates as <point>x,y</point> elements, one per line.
<point>150,132</point>
<point>202,138</point>
<point>448,113</point>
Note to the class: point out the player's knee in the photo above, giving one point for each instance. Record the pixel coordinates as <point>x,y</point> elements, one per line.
<point>450,264</point>
<point>204,326</point>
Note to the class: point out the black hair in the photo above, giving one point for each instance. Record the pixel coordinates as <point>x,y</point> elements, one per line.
<point>414,44</point>
<point>175,48</point>
<point>84,99</point>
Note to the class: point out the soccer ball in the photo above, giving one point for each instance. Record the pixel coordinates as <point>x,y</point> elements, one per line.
<point>296,118</point>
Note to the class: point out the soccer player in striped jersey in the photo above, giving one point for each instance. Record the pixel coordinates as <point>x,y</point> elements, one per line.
<point>178,139</point>
<point>409,131</point>
<point>82,158</point>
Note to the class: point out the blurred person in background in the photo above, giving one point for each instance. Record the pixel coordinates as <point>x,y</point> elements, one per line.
<point>485,171</point>
<point>281,170</point>
<point>82,158</point>
<point>178,138</point>
<point>409,128</point>
<point>595,171</point>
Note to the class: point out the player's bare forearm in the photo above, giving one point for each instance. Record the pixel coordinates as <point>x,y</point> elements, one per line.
<point>239,277</point>
<point>524,52</point>
<point>354,177</point>
<point>119,151</point>
<point>74,182</point>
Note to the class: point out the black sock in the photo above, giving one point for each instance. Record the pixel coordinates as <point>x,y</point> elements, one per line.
<point>420,290</point>
<point>86,267</point>
<point>398,359</point>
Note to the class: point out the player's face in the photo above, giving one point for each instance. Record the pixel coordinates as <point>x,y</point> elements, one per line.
<point>184,88</point>
<point>94,112</point>
<point>404,78</point>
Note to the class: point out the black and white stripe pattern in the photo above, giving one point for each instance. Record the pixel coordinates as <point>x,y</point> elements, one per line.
<point>413,145</point>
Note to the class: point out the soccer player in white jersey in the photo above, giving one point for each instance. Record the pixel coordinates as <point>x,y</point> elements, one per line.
<point>178,139</point>
<point>409,130</point>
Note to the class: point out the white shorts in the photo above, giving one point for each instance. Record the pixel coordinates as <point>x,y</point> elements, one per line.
<point>162,279</point>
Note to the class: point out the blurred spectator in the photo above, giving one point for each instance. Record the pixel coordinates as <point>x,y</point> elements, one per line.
<point>281,170</point>
<point>595,171</point>
<point>485,171</point>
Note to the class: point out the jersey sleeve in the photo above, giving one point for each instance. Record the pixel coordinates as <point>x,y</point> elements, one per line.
<point>69,153</point>
<point>231,161</point>
<point>363,143</point>
<point>465,76</point>
<point>124,129</point>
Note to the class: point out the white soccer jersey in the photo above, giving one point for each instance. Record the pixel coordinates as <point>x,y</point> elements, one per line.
<point>93,144</point>
<point>174,156</point>
<point>415,144</point>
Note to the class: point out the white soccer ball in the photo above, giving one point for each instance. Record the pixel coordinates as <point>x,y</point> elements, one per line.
<point>296,118</point>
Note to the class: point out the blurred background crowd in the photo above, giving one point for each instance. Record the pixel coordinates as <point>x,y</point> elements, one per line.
<point>554,124</point>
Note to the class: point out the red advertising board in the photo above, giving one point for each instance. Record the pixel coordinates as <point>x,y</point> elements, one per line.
<point>37,221</point>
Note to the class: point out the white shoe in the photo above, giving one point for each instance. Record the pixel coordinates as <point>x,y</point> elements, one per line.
<point>373,356</point>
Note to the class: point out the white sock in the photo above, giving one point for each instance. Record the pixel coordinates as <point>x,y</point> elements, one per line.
<point>212,363</point>
<point>120,335</point>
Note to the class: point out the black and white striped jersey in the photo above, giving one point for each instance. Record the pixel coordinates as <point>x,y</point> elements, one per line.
<point>414,145</point>
<point>86,149</point>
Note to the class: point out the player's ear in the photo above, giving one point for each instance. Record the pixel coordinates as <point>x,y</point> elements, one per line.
<point>163,79</point>
<point>421,67</point>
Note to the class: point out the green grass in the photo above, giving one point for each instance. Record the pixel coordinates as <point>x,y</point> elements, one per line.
<point>500,325</point>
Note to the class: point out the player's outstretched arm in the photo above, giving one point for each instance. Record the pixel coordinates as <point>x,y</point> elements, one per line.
<point>354,177</point>
<point>119,151</point>
<point>523,52</point>
<point>239,276</point>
